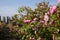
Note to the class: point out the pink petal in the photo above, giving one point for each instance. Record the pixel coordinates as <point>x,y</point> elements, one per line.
<point>59,1</point>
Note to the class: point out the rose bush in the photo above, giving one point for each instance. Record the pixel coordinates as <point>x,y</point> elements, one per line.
<point>42,23</point>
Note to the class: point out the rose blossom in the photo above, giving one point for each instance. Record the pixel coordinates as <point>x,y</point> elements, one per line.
<point>35,19</point>
<point>26,21</point>
<point>46,17</point>
<point>59,1</point>
<point>52,9</point>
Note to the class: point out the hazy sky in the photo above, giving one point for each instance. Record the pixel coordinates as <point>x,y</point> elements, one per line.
<point>9,7</point>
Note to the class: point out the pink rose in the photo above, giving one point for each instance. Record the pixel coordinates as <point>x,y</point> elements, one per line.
<point>46,17</point>
<point>59,1</point>
<point>35,19</point>
<point>26,21</point>
<point>52,9</point>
